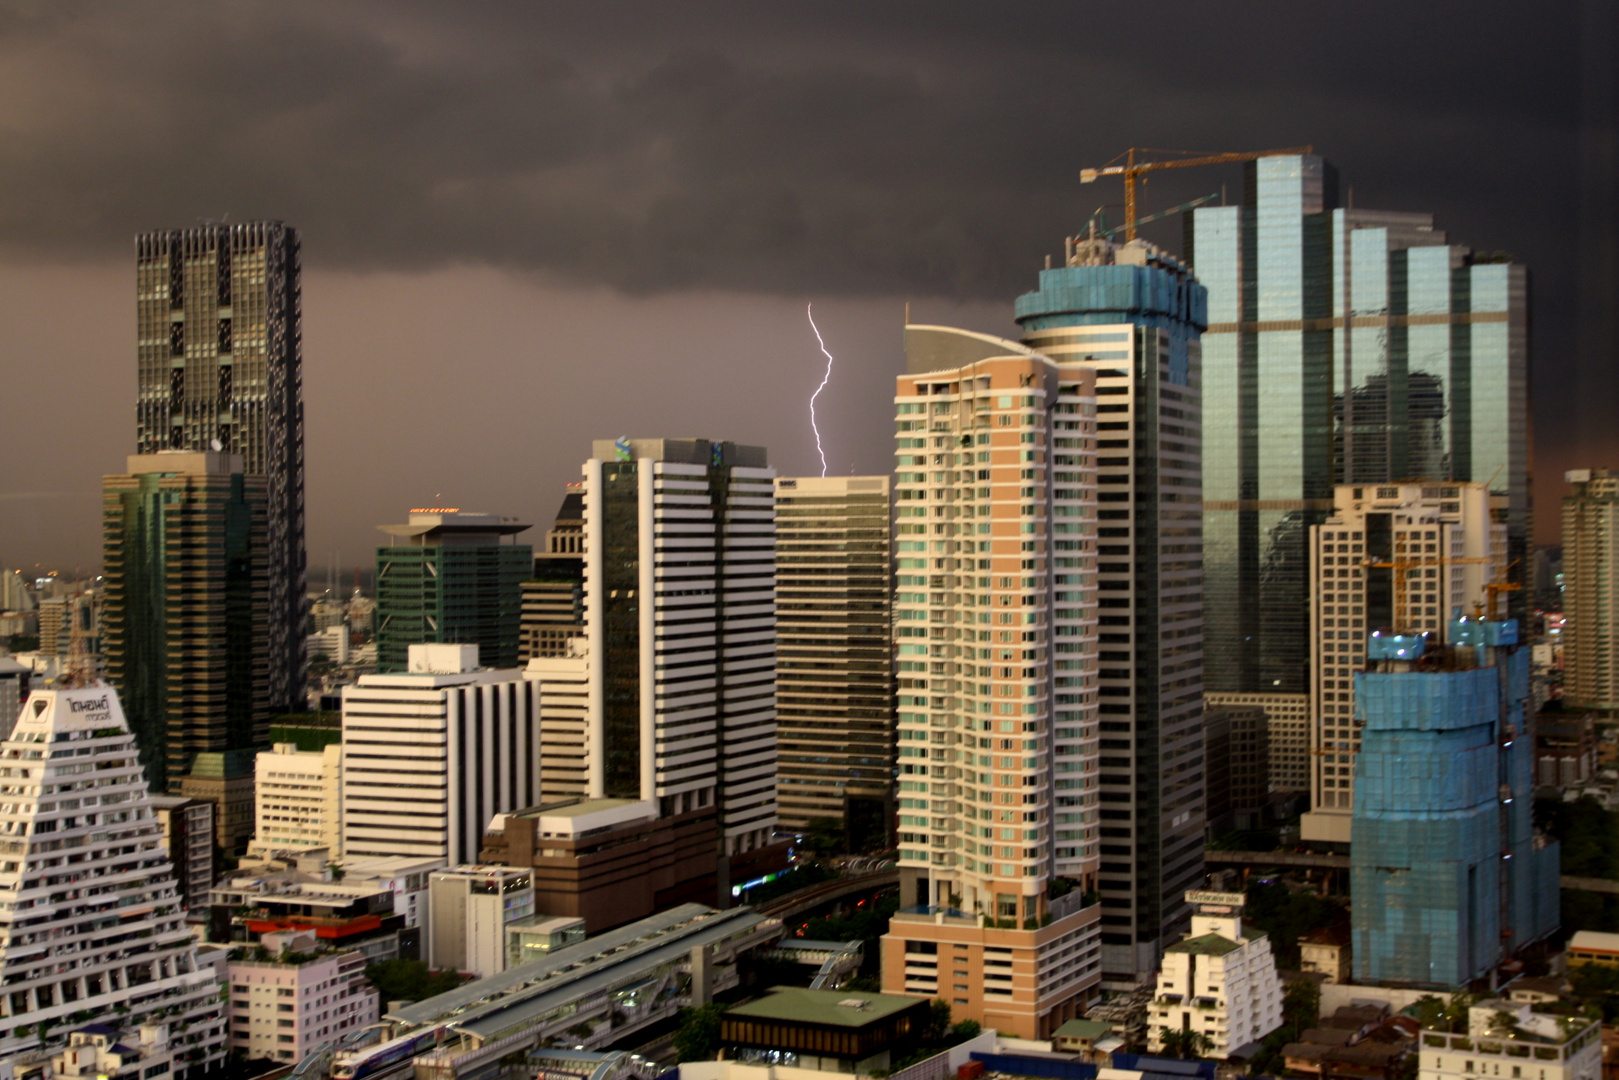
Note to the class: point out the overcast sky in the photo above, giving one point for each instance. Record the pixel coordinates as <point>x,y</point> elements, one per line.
<point>528,225</point>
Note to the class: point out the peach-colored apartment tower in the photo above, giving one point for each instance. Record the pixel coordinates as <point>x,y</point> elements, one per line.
<point>995,638</point>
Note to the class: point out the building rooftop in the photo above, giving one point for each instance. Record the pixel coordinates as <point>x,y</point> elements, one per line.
<point>1082,1029</point>
<point>830,1008</point>
<point>1594,940</point>
<point>1207,945</point>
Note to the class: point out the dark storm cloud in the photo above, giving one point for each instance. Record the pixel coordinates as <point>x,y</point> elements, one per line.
<point>856,148</point>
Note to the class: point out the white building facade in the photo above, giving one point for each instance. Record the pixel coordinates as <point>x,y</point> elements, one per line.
<point>471,908</point>
<point>1537,1046</point>
<point>83,874</point>
<point>430,755</point>
<point>298,799</point>
<point>680,619</point>
<point>1219,982</point>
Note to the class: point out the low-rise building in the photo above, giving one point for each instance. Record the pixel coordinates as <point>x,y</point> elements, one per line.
<point>537,936</point>
<point>289,995</point>
<point>827,1030</point>
<point>1090,1039</point>
<point>1510,1040</point>
<point>103,1052</point>
<point>1593,947</point>
<point>471,908</point>
<point>376,906</point>
<point>1218,982</point>
<point>1325,952</point>
<point>298,798</point>
<point>608,861</point>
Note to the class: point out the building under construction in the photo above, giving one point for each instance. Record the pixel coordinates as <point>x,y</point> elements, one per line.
<point>1449,876</point>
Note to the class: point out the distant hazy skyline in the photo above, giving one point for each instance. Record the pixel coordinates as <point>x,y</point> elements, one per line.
<point>527,226</point>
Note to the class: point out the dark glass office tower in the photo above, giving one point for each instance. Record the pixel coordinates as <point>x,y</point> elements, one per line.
<point>1133,315</point>
<point>184,553</point>
<point>1427,381</point>
<point>450,576</point>
<point>220,367</point>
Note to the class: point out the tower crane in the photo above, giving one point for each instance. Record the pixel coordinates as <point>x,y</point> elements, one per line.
<point>1131,169</point>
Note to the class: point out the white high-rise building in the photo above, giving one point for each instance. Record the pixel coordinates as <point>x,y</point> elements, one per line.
<point>91,925</point>
<point>996,636</point>
<point>1407,557</point>
<point>298,799</point>
<point>431,754</point>
<point>680,619</point>
<point>564,718</point>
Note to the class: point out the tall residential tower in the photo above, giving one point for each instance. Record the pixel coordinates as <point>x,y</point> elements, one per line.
<point>995,631</point>
<point>1591,589</point>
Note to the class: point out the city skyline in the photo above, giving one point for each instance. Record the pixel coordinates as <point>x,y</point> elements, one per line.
<point>859,210</point>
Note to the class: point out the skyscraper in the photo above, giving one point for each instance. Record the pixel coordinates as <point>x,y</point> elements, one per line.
<point>183,547</point>
<point>834,667</point>
<point>218,314</point>
<point>1392,555</point>
<point>680,617</point>
<point>1448,873</point>
<point>1426,380</point>
<point>1132,315</point>
<point>449,578</point>
<point>995,630</point>
<point>1590,599</point>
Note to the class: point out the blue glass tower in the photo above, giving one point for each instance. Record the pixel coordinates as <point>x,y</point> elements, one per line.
<point>1448,875</point>
<point>1343,346</point>
<point>1135,315</point>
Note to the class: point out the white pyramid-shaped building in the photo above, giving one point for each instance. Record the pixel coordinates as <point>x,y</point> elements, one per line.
<point>91,930</point>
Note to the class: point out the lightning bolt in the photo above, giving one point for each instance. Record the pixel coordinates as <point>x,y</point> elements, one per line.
<point>809,309</point>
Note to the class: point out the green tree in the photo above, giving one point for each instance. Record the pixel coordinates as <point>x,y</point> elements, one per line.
<point>1301,1005</point>
<point>409,980</point>
<point>699,1036</point>
<point>1185,1043</point>
<point>1597,988</point>
<point>1287,916</point>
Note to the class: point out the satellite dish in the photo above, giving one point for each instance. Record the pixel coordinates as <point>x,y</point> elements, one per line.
<point>217,445</point>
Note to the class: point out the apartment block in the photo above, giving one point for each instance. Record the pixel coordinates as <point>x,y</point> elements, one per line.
<point>298,798</point>
<point>1590,594</point>
<point>995,631</point>
<point>297,995</point>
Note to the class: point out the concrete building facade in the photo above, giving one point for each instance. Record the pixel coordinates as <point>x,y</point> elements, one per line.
<point>995,631</point>
<point>298,798</point>
<point>287,1004</point>
<point>1219,982</point>
<point>471,908</point>
<point>680,617</point>
<point>431,754</point>
<point>188,830</point>
<point>1590,590</point>
<point>75,744</point>
<point>554,598</point>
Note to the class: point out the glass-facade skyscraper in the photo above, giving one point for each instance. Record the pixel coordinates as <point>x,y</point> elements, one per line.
<point>1133,315</point>
<point>1343,346</point>
<point>219,365</point>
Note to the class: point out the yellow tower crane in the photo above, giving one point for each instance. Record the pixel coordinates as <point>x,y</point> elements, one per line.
<point>1131,169</point>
